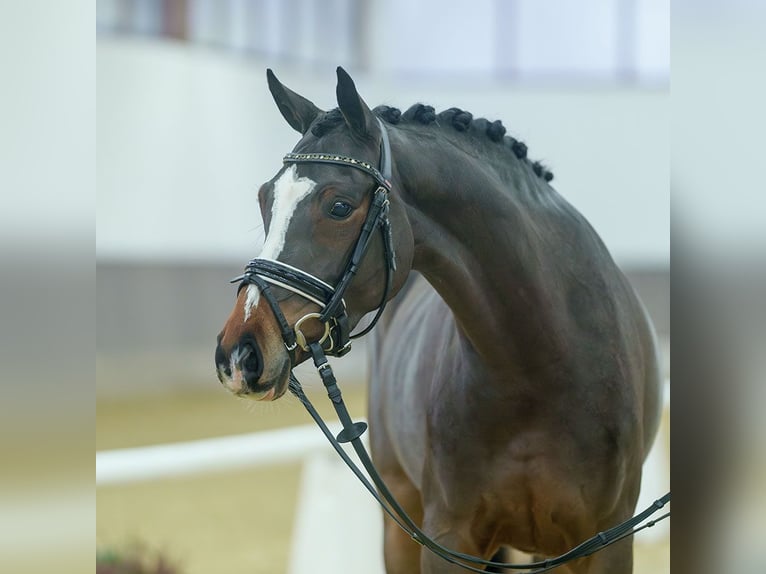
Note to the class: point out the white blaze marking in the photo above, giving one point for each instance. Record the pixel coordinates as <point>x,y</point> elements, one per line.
<point>235,382</point>
<point>251,301</point>
<point>289,190</point>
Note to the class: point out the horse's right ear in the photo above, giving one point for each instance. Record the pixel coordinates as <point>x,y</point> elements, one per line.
<point>356,113</point>
<point>297,110</point>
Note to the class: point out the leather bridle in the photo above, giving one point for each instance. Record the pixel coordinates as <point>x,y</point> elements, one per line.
<point>336,341</point>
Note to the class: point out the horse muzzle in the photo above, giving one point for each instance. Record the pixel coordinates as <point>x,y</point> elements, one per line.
<point>242,370</point>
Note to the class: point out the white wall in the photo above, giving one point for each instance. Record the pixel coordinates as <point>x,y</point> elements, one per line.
<point>186,135</point>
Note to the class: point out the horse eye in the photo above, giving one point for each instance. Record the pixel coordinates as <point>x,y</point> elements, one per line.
<point>341,210</point>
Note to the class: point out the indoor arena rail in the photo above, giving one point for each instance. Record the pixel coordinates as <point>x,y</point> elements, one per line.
<point>278,446</point>
<point>136,464</point>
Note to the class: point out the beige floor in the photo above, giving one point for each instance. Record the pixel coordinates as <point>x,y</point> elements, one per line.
<point>233,522</point>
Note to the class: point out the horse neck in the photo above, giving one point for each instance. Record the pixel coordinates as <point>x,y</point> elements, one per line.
<point>475,242</point>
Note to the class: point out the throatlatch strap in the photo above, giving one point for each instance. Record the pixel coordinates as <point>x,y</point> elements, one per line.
<point>388,246</point>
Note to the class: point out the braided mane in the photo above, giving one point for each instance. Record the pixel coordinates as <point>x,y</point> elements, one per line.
<point>460,120</point>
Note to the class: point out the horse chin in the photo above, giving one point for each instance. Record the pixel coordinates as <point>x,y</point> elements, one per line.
<point>274,387</point>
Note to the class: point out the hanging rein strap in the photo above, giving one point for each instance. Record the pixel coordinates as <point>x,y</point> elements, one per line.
<point>333,314</point>
<point>352,432</point>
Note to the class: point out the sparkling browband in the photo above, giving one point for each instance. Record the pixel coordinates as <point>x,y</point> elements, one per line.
<point>338,160</point>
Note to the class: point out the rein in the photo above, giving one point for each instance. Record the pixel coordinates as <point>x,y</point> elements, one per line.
<point>352,433</point>
<point>336,341</point>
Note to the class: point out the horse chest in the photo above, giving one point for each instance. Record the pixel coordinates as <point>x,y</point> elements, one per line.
<point>420,378</point>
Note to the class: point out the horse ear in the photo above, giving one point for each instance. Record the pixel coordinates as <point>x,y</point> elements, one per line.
<point>297,110</point>
<point>356,113</point>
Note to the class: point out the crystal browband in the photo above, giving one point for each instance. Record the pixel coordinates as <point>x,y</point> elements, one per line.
<point>338,160</point>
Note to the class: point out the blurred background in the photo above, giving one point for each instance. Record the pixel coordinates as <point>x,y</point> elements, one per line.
<point>53,122</point>
<point>187,131</point>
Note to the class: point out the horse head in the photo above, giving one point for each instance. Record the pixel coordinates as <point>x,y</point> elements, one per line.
<point>315,210</point>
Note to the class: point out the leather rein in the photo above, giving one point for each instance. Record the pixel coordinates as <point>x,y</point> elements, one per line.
<point>336,341</point>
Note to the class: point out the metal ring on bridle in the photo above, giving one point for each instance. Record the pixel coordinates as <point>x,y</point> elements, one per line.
<point>300,338</point>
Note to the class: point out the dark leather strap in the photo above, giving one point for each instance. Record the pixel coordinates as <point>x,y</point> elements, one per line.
<point>289,275</point>
<point>352,433</point>
<point>383,177</point>
<point>337,160</point>
<point>288,334</point>
<point>385,155</point>
<point>360,248</point>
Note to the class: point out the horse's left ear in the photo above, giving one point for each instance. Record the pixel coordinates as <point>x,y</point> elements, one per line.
<point>356,113</point>
<point>297,110</point>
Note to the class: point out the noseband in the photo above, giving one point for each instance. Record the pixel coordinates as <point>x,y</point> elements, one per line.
<point>336,339</point>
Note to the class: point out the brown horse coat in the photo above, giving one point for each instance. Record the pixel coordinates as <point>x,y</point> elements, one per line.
<point>515,384</point>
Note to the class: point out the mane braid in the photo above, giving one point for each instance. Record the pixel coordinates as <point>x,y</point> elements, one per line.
<point>460,120</point>
<point>463,121</point>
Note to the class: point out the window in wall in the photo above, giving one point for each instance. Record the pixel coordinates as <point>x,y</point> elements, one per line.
<point>618,41</point>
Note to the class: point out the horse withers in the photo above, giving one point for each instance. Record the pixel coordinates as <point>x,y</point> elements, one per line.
<point>514,389</point>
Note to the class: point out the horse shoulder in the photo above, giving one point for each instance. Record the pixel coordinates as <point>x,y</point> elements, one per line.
<point>407,358</point>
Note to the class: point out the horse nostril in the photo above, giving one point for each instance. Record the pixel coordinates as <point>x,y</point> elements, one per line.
<point>221,361</point>
<point>252,363</point>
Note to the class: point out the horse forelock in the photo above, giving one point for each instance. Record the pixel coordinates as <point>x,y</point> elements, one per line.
<point>456,118</point>
<point>327,122</point>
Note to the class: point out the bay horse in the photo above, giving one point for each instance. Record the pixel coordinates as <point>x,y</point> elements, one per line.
<point>514,389</point>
